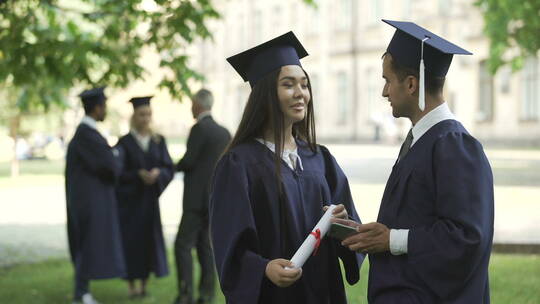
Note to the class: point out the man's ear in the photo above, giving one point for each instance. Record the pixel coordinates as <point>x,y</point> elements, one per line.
<point>412,85</point>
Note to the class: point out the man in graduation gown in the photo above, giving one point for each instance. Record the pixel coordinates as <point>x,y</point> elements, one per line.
<point>92,221</point>
<point>206,142</point>
<point>432,239</point>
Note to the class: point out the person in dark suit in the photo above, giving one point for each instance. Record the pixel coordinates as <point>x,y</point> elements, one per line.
<point>206,141</point>
<point>92,220</point>
<point>147,171</point>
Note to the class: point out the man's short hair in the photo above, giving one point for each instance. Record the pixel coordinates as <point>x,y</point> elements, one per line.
<point>204,98</point>
<point>434,85</point>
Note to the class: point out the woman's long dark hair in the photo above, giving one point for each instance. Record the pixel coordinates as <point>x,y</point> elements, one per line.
<point>263,111</point>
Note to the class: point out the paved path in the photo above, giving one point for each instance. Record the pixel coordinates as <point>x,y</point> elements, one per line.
<point>32,215</point>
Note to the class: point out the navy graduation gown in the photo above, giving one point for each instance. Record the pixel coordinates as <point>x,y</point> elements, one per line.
<point>442,190</point>
<point>92,220</point>
<point>139,212</point>
<point>250,225</point>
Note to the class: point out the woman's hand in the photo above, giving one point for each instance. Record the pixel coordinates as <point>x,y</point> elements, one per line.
<point>339,212</point>
<point>276,272</point>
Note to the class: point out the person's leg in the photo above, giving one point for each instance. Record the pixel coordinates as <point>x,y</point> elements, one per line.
<point>132,288</point>
<point>185,241</point>
<point>143,287</point>
<point>81,286</point>
<point>206,260</point>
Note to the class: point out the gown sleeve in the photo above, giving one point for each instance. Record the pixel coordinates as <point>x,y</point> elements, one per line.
<point>341,194</point>
<point>97,156</point>
<point>129,174</point>
<point>166,167</point>
<point>241,269</point>
<point>447,252</point>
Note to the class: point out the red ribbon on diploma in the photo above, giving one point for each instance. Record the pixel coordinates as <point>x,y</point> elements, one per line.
<point>317,235</point>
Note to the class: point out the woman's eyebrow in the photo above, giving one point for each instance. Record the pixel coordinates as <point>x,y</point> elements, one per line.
<point>292,78</point>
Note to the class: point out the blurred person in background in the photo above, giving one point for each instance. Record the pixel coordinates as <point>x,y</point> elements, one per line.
<point>206,142</point>
<point>147,169</point>
<point>92,169</point>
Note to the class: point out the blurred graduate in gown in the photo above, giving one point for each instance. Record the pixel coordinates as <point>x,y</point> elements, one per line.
<point>270,188</point>
<point>91,172</point>
<point>147,169</point>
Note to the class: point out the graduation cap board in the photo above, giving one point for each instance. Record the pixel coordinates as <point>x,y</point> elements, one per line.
<point>140,101</point>
<point>255,63</point>
<point>93,96</point>
<point>415,47</point>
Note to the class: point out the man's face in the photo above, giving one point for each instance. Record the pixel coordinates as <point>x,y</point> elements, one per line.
<point>396,91</point>
<point>101,111</point>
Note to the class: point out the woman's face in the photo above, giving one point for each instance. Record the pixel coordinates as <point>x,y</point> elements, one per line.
<point>142,117</point>
<point>293,93</point>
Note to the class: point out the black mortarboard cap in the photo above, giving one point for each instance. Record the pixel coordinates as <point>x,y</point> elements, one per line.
<point>258,61</point>
<point>140,101</point>
<point>405,48</point>
<point>93,96</point>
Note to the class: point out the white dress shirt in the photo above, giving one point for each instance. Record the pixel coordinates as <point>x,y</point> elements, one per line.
<point>142,140</point>
<point>89,121</point>
<point>399,237</point>
<point>290,157</point>
<point>203,115</point>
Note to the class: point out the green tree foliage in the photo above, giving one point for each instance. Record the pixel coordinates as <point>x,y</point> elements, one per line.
<point>49,46</point>
<point>513,28</point>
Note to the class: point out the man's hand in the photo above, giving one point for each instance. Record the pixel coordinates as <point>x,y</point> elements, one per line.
<point>371,238</point>
<point>339,211</point>
<point>276,272</point>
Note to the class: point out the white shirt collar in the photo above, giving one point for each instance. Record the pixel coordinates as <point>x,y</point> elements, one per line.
<point>440,113</point>
<point>89,121</point>
<point>289,156</point>
<point>142,140</point>
<point>203,115</point>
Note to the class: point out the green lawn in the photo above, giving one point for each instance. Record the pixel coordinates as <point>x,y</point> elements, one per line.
<point>34,167</point>
<point>514,279</point>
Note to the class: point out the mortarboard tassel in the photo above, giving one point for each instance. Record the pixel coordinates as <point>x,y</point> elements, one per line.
<point>421,93</point>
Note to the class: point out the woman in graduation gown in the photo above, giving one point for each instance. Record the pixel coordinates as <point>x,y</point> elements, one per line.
<point>263,206</point>
<point>147,170</point>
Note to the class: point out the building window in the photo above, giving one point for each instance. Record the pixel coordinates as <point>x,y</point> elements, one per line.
<point>277,22</point>
<point>530,95</point>
<point>257,26</point>
<point>343,15</point>
<point>375,8</point>
<point>445,7</point>
<point>314,19</point>
<point>372,93</point>
<point>316,95</point>
<point>485,98</point>
<point>406,9</point>
<point>342,99</point>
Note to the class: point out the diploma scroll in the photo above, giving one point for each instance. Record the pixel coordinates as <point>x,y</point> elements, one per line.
<point>311,243</point>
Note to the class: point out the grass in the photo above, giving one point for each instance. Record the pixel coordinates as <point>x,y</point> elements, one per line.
<point>513,278</point>
<point>34,167</point>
